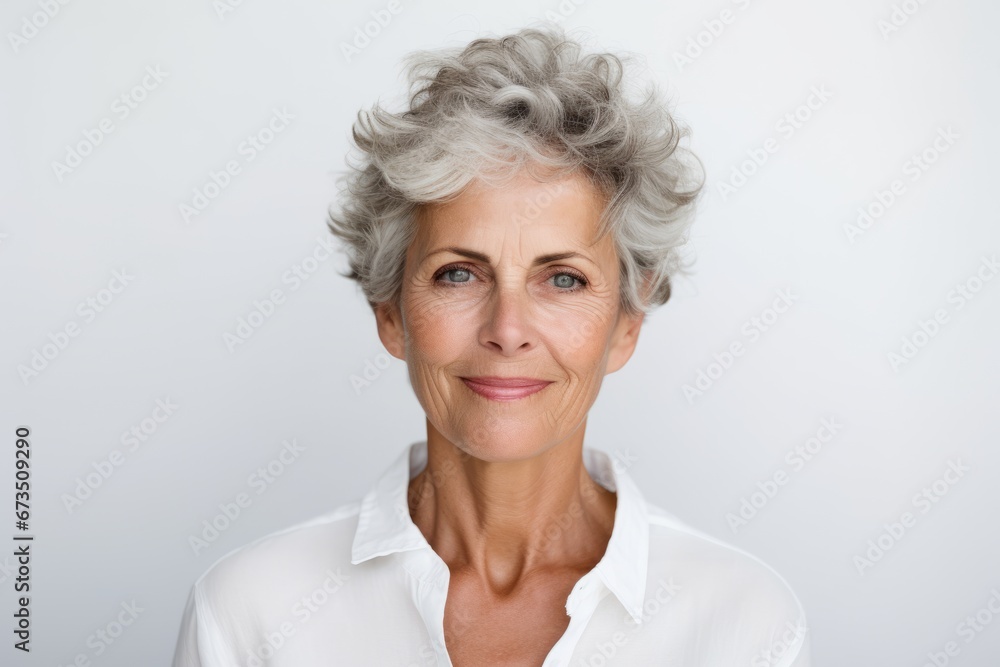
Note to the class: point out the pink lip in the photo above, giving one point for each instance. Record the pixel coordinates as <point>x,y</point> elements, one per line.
<point>505,389</point>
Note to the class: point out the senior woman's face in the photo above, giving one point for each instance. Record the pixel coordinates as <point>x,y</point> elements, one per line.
<point>509,283</point>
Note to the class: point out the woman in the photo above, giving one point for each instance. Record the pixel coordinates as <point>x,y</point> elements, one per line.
<point>510,230</point>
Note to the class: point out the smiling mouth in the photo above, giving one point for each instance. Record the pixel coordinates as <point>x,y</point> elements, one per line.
<point>505,389</point>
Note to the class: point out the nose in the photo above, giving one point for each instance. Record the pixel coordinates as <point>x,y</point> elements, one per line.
<point>508,325</point>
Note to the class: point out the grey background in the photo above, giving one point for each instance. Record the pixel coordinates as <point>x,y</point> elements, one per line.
<point>163,335</point>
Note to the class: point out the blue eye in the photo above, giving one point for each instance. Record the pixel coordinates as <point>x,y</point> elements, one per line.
<point>564,281</point>
<point>571,283</point>
<point>466,272</point>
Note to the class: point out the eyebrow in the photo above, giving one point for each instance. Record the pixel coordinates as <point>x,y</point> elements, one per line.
<point>480,257</point>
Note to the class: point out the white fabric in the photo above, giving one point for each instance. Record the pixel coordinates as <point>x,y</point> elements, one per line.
<point>361,586</point>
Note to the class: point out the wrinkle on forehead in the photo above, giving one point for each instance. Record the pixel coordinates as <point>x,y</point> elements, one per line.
<point>526,202</point>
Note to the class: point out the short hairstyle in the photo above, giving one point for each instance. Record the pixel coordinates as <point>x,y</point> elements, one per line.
<point>526,100</point>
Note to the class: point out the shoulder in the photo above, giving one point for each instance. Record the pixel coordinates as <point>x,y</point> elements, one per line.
<point>276,562</point>
<point>258,587</point>
<point>729,590</point>
<point>704,559</point>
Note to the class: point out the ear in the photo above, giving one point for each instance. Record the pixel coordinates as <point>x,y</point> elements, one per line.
<point>389,320</point>
<point>623,340</point>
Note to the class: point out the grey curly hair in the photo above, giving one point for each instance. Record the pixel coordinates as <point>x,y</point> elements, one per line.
<point>501,104</point>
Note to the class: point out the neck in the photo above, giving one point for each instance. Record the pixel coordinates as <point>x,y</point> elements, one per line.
<point>506,519</point>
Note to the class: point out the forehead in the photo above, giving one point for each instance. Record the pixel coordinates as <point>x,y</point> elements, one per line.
<point>566,209</point>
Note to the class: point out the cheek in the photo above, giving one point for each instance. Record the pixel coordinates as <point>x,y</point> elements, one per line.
<point>578,341</point>
<point>440,330</point>
<point>435,329</point>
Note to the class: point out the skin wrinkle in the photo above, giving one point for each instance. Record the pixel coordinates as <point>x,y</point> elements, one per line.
<point>463,120</point>
<point>500,473</point>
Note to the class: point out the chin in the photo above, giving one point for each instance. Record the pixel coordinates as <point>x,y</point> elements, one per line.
<point>502,440</point>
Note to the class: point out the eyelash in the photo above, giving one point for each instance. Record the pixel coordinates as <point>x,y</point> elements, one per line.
<point>581,281</point>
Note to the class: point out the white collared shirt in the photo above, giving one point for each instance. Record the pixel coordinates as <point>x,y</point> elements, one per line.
<point>361,586</point>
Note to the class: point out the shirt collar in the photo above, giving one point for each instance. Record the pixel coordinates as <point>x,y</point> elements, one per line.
<point>385,526</point>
